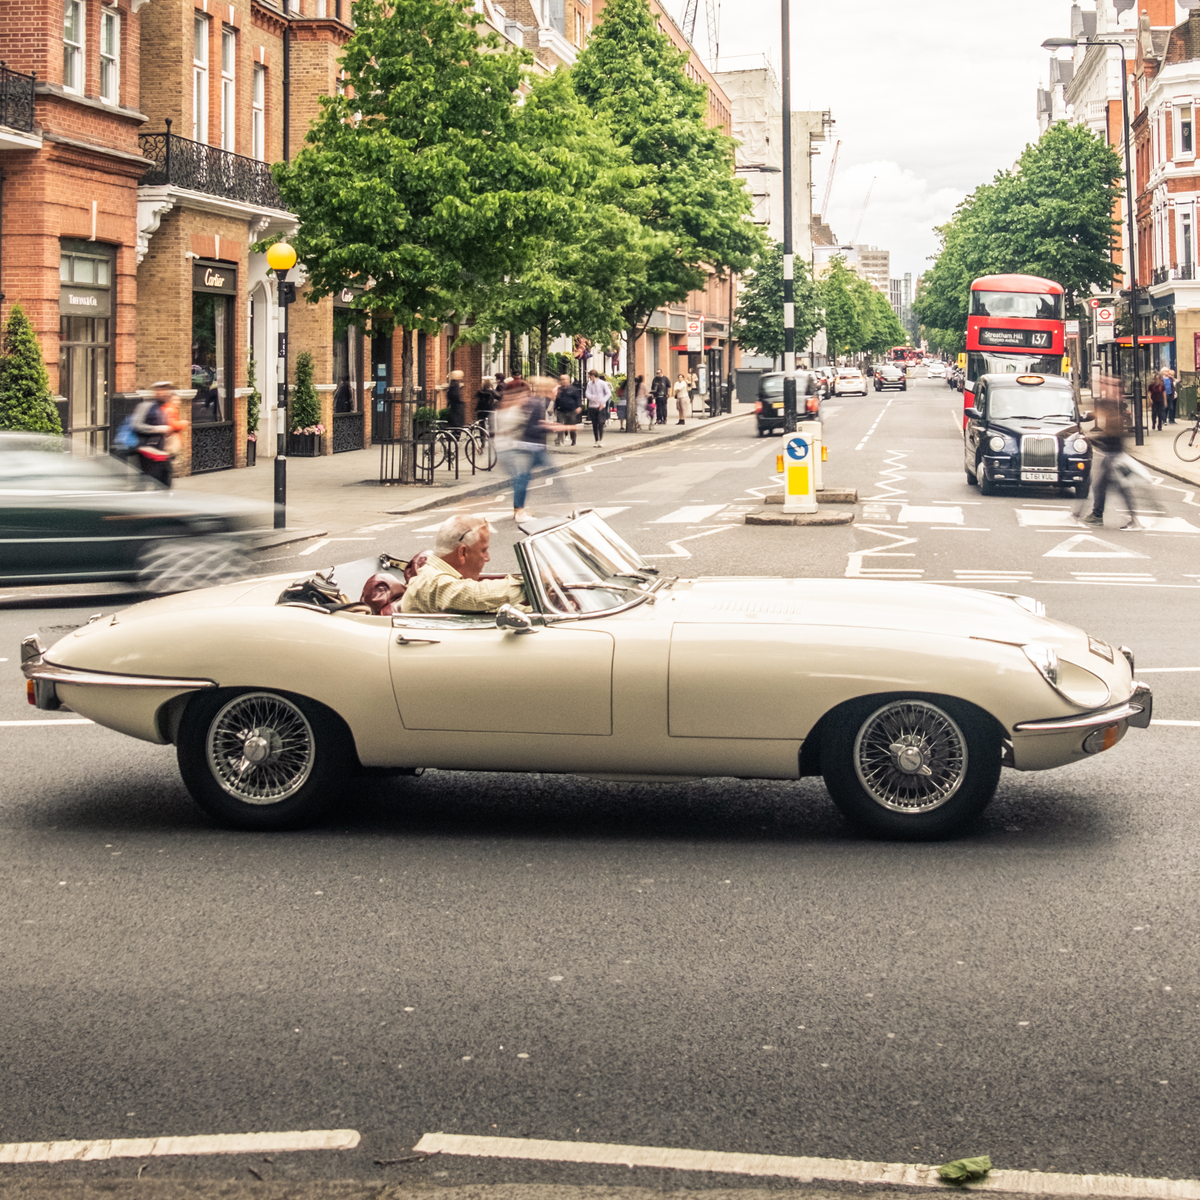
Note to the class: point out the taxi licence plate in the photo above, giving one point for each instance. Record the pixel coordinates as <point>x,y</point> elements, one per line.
<point>1039,476</point>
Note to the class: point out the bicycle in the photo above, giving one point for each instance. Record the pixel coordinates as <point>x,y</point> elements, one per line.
<point>1187,442</point>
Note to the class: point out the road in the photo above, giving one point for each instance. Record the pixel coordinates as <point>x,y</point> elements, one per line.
<point>720,965</point>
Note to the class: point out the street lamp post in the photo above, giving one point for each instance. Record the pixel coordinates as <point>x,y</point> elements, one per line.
<point>281,258</point>
<point>1055,43</point>
<point>789,289</point>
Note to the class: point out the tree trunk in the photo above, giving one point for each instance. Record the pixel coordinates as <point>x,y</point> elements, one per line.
<point>544,334</point>
<point>408,407</point>
<point>631,412</point>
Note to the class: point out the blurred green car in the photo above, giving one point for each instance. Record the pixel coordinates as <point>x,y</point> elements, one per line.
<point>67,518</point>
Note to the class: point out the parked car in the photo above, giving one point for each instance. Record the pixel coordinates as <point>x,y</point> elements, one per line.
<point>70,518</point>
<point>768,408</point>
<point>1025,429</point>
<point>906,698</point>
<point>937,370</point>
<point>849,381</point>
<point>890,376</point>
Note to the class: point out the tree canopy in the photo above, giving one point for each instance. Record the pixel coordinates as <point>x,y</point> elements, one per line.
<point>1051,215</point>
<point>632,77</point>
<point>758,321</point>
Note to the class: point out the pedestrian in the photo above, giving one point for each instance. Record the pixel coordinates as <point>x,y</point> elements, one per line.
<point>343,398</point>
<point>1172,394</point>
<point>683,398</point>
<point>150,424</point>
<point>486,402</point>
<point>660,389</point>
<point>598,395</point>
<point>455,401</point>
<point>1108,448</point>
<point>621,404</point>
<point>1158,401</point>
<point>528,430</point>
<point>568,404</point>
<point>643,401</point>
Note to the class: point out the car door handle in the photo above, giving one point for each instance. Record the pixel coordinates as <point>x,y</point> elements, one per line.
<point>401,640</point>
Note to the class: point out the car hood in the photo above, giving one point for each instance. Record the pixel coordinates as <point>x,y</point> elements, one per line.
<point>865,604</point>
<point>1022,427</point>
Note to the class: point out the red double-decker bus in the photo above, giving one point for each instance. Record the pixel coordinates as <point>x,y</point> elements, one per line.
<point>1014,326</point>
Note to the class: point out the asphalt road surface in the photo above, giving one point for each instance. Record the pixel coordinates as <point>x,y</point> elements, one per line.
<point>720,965</point>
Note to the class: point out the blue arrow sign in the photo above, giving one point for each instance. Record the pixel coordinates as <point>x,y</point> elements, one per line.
<point>797,448</point>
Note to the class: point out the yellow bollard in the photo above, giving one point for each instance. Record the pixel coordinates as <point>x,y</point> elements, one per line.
<point>779,462</point>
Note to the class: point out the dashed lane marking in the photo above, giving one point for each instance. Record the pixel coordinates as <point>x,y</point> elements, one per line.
<point>692,514</point>
<point>806,1170</point>
<point>1186,724</point>
<point>51,721</point>
<point>219,1143</point>
<point>325,542</point>
<point>1164,670</point>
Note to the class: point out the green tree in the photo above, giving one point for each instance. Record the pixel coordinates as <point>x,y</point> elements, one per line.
<point>305,407</point>
<point>571,282</point>
<point>25,402</point>
<point>885,330</point>
<point>1051,215</point>
<point>254,399</point>
<point>694,211</point>
<point>841,301</point>
<point>414,177</point>
<point>758,320</point>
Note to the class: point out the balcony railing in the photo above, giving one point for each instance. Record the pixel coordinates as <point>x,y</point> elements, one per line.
<point>1187,271</point>
<point>180,162</point>
<point>16,99</point>
<point>1160,275</point>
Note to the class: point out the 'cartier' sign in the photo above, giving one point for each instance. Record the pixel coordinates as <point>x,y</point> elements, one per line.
<point>214,277</point>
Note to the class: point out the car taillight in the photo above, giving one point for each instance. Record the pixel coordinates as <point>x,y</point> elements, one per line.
<point>758,406</point>
<point>811,404</point>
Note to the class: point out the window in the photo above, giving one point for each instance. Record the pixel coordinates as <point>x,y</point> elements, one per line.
<point>1185,149</point>
<point>228,108</point>
<point>73,18</point>
<point>200,80</point>
<point>258,123</point>
<point>1185,238</point>
<point>110,55</point>
<point>85,273</point>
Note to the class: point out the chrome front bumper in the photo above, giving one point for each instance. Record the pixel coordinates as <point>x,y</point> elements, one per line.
<point>1136,711</point>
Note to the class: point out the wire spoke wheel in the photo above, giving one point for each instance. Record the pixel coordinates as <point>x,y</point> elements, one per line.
<point>1187,444</point>
<point>260,748</point>
<point>910,756</point>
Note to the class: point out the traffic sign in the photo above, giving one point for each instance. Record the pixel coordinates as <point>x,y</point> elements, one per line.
<point>1072,329</point>
<point>1094,302</point>
<point>695,335</point>
<point>1104,315</point>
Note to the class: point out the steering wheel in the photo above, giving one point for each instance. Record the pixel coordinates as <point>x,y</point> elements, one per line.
<point>560,593</point>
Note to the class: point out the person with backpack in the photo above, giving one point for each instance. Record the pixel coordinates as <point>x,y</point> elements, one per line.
<point>150,426</point>
<point>660,389</point>
<point>568,404</point>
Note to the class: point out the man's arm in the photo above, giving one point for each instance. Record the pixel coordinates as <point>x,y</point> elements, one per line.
<point>437,592</point>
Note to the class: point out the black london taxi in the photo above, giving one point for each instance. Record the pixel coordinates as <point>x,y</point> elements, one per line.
<point>1024,429</point>
<point>769,405</point>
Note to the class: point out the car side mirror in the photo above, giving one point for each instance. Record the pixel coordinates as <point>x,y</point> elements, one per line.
<point>973,413</point>
<point>1086,414</point>
<point>513,619</point>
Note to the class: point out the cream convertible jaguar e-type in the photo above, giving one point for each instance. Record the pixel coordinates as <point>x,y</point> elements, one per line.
<point>907,698</point>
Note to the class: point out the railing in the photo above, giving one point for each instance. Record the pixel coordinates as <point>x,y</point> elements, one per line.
<point>180,162</point>
<point>16,99</point>
<point>1160,275</point>
<point>347,431</point>
<point>1187,271</point>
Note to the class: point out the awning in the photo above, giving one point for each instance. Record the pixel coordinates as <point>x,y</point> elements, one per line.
<point>709,344</point>
<point>1146,340</point>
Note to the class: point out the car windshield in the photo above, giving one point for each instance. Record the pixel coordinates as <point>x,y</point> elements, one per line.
<point>584,567</point>
<point>1034,403</point>
<point>771,386</point>
<point>850,374</point>
<point>1040,306</point>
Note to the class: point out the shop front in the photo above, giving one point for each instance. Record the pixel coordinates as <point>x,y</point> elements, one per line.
<point>85,358</point>
<point>214,304</point>
<point>348,415</point>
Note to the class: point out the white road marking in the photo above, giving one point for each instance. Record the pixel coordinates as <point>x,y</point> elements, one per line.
<point>692,514</point>
<point>1046,517</point>
<point>1168,524</point>
<point>806,1170</point>
<point>927,514</point>
<point>1084,545</point>
<point>1188,724</point>
<point>51,721</point>
<point>964,528</point>
<point>1163,670</point>
<point>854,567</point>
<point>219,1143</point>
<point>679,551</point>
<point>315,547</point>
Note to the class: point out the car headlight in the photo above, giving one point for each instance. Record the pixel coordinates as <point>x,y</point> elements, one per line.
<point>996,442</point>
<point>1045,658</point>
<point>1079,445</point>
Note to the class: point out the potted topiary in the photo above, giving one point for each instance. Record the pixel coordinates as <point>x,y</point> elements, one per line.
<point>253,410</point>
<point>25,401</point>
<point>305,427</point>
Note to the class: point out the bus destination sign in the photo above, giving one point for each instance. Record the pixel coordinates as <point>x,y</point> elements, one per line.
<point>1017,339</point>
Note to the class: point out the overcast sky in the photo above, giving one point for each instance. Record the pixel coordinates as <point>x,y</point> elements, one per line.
<point>931,98</point>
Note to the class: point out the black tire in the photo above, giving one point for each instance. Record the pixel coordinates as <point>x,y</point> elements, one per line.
<point>986,486</point>
<point>308,756</point>
<point>182,564</point>
<point>971,477</point>
<point>934,787</point>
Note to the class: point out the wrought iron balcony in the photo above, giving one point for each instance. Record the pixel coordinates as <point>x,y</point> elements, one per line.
<point>1160,275</point>
<point>1187,271</point>
<point>16,99</point>
<point>180,162</point>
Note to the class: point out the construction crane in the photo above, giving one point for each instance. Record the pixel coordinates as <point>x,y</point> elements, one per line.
<point>829,183</point>
<point>863,211</point>
<point>712,12</point>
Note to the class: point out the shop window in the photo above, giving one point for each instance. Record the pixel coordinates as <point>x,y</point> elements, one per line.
<point>212,356</point>
<point>1186,149</point>
<point>347,362</point>
<point>258,108</point>
<point>200,79</point>
<point>73,28</point>
<point>228,102</point>
<point>110,55</point>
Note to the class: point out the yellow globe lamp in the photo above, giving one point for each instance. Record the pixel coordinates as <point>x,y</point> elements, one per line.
<point>281,258</point>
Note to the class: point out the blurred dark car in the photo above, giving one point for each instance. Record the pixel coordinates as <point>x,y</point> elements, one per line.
<point>890,376</point>
<point>67,518</point>
<point>769,407</point>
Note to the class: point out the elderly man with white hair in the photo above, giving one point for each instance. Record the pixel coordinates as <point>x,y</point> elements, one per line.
<point>450,581</point>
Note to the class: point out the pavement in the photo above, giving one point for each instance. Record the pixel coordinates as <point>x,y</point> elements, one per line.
<point>336,492</point>
<point>1158,454</point>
